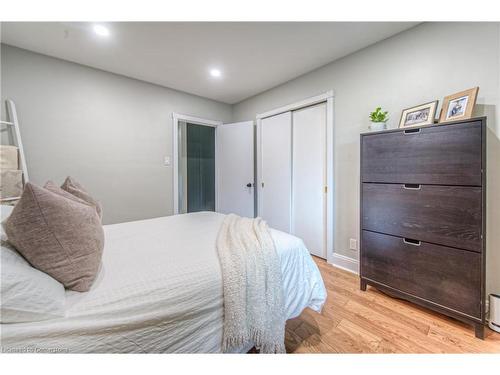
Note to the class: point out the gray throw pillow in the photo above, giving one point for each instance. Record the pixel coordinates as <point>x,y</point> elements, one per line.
<point>49,185</point>
<point>58,235</point>
<point>72,186</point>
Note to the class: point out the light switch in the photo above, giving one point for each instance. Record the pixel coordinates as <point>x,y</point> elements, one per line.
<point>166,161</point>
<point>353,244</point>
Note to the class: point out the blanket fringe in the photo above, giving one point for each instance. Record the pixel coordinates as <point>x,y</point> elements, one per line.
<point>233,342</point>
<point>255,337</point>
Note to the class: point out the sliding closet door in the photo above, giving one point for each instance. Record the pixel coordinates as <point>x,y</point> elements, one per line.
<point>309,177</point>
<point>276,170</point>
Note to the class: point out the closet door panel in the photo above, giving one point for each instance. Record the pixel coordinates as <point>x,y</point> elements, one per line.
<point>276,170</point>
<point>309,177</point>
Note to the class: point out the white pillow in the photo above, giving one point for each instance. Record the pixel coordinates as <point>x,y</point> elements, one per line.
<point>27,294</point>
<point>5,211</point>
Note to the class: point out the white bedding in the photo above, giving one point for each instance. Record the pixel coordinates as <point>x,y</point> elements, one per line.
<point>160,290</point>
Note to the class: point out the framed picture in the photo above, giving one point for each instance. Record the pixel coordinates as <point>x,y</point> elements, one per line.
<point>422,114</point>
<point>459,106</point>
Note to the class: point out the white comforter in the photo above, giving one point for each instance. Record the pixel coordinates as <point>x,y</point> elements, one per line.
<point>160,290</point>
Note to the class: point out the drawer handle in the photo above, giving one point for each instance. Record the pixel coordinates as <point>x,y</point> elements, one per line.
<point>411,131</point>
<point>412,186</point>
<point>412,242</point>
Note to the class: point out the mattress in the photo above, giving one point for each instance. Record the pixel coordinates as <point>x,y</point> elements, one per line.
<point>159,290</point>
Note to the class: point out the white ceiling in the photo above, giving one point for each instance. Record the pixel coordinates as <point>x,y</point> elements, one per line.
<point>253,57</point>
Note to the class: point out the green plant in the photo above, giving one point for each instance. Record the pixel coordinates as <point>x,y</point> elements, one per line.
<point>379,116</point>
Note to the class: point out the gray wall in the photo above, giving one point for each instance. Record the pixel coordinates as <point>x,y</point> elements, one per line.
<point>108,131</point>
<point>112,132</point>
<point>422,64</point>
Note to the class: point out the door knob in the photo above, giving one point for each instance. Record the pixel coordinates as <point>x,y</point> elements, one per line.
<point>249,184</point>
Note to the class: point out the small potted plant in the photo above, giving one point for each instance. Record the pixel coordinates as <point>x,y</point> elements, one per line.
<point>379,119</point>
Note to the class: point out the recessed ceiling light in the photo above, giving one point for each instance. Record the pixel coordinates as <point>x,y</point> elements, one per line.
<point>101,30</point>
<point>215,73</point>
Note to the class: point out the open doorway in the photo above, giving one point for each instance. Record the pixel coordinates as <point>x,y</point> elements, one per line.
<point>196,170</point>
<point>213,166</point>
<point>195,164</point>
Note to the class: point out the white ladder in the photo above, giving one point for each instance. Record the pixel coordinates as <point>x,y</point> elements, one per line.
<point>13,125</point>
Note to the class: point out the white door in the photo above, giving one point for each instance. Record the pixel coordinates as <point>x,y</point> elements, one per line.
<point>235,168</point>
<point>309,177</point>
<point>276,170</point>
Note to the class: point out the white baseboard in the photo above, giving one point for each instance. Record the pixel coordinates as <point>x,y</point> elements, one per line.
<point>345,263</point>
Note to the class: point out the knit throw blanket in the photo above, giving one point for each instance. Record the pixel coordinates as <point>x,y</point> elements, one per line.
<point>253,295</point>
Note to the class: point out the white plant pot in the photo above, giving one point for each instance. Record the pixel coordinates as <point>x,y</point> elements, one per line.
<point>378,126</point>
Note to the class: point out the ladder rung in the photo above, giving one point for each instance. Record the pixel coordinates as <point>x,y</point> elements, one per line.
<point>9,199</point>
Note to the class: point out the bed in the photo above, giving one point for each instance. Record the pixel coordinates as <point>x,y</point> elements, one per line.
<point>159,290</point>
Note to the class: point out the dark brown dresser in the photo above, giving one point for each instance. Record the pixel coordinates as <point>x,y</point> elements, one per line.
<point>423,216</point>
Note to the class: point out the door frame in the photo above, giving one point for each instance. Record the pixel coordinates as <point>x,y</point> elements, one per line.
<point>328,98</point>
<point>176,117</point>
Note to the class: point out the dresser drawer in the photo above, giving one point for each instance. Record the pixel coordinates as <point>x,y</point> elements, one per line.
<point>445,215</point>
<point>448,277</point>
<point>443,155</point>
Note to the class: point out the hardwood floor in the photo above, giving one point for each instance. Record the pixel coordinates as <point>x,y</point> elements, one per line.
<point>353,321</point>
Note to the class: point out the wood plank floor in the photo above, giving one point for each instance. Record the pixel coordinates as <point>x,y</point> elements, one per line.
<point>353,321</point>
